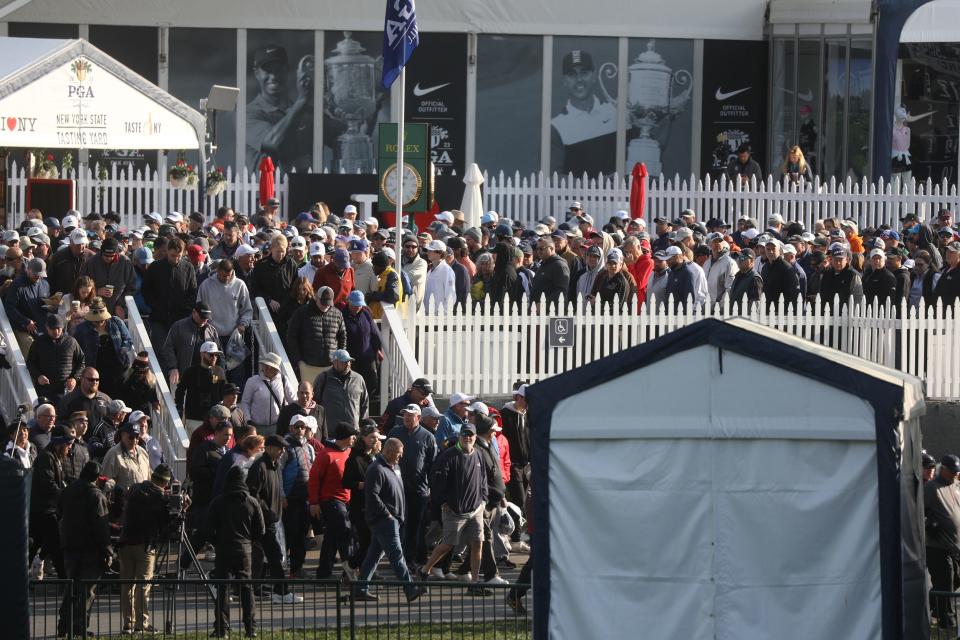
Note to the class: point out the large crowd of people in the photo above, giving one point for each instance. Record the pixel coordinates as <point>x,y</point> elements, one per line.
<point>277,465</point>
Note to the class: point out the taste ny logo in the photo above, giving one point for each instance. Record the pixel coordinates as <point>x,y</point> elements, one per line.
<point>17,123</point>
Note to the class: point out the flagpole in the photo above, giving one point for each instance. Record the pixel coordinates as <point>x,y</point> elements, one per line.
<point>401,142</point>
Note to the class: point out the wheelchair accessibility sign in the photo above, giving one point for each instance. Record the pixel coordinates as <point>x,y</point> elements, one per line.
<point>560,333</point>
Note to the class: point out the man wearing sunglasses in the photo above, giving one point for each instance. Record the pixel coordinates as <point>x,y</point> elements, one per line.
<point>414,266</point>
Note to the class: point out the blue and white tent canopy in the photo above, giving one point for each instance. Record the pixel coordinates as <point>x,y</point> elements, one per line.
<point>728,481</point>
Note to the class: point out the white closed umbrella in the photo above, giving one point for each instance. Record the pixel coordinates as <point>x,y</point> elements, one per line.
<point>472,205</point>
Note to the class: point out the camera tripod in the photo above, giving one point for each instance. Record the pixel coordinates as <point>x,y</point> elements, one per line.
<point>182,544</point>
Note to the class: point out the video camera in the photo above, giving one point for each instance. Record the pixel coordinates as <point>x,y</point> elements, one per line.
<point>175,500</point>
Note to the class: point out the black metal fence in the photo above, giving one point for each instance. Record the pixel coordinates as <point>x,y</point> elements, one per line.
<point>318,610</point>
<point>945,615</point>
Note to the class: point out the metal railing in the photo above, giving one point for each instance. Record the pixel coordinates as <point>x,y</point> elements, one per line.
<point>168,427</point>
<point>268,339</point>
<point>400,366</point>
<point>329,609</point>
<point>16,387</point>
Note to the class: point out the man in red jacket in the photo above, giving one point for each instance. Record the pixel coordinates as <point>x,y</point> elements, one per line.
<point>338,275</point>
<point>328,496</point>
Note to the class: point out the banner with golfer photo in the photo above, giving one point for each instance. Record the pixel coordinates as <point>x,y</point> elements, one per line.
<point>436,94</point>
<point>583,122</point>
<point>734,102</point>
<point>280,76</point>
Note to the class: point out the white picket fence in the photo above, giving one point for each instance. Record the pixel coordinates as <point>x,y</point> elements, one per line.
<point>484,351</point>
<point>532,198</point>
<point>133,194</point>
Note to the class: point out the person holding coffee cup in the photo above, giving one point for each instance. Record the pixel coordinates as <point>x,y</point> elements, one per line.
<point>113,275</point>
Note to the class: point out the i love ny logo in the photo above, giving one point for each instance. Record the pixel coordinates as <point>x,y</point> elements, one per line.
<point>18,123</point>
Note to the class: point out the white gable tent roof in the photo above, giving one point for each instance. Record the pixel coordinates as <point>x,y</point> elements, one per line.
<point>69,94</point>
<point>725,480</point>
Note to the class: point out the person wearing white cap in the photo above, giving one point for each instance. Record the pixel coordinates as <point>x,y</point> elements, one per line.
<point>453,419</point>
<point>298,250</point>
<point>790,257</point>
<point>420,451</point>
<point>64,265</point>
<point>147,441</point>
<point>265,394</point>
<point>440,290</point>
<point>342,391</point>
<point>199,386</point>
<point>350,212</point>
<point>317,254</point>
<point>879,283</point>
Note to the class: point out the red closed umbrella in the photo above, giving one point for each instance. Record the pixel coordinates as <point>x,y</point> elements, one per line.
<point>267,186</point>
<point>638,190</point>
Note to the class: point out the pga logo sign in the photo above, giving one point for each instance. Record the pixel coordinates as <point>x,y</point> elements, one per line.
<point>79,91</point>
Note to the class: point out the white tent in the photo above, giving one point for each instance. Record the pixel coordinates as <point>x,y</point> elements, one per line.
<point>727,481</point>
<point>69,94</point>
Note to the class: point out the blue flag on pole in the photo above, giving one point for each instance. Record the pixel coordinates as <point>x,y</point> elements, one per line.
<point>400,38</point>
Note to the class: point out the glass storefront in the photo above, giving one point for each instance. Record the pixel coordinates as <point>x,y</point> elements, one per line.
<point>821,92</point>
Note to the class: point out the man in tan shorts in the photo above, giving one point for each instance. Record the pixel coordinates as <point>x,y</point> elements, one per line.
<point>460,486</point>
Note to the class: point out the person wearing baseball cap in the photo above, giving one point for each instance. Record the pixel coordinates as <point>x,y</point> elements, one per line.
<point>440,286</point>
<point>200,386</point>
<point>337,274</point>
<point>419,393</point>
<point>419,453</point>
<point>127,463</point>
<point>453,419</point>
<point>942,511</point>
<point>328,496</point>
<point>747,286</point>
<point>584,131</point>
<point>841,280</point>
<point>342,391</point>
<point>947,288</point>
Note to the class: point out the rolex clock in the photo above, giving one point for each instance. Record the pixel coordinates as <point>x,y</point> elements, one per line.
<point>411,179</point>
<point>415,173</point>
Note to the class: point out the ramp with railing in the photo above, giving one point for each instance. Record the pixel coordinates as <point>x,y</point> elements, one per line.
<point>268,339</point>
<point>16,387</point>
<point>167,425</point>
<point>400,366</point>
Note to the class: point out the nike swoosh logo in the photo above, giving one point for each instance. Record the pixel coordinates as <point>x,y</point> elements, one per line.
<point>417,91</point>
<point>806,97</point>
<point>721,96</point>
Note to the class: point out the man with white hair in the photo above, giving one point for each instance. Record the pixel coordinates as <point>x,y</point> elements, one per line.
<point>440,287</point>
